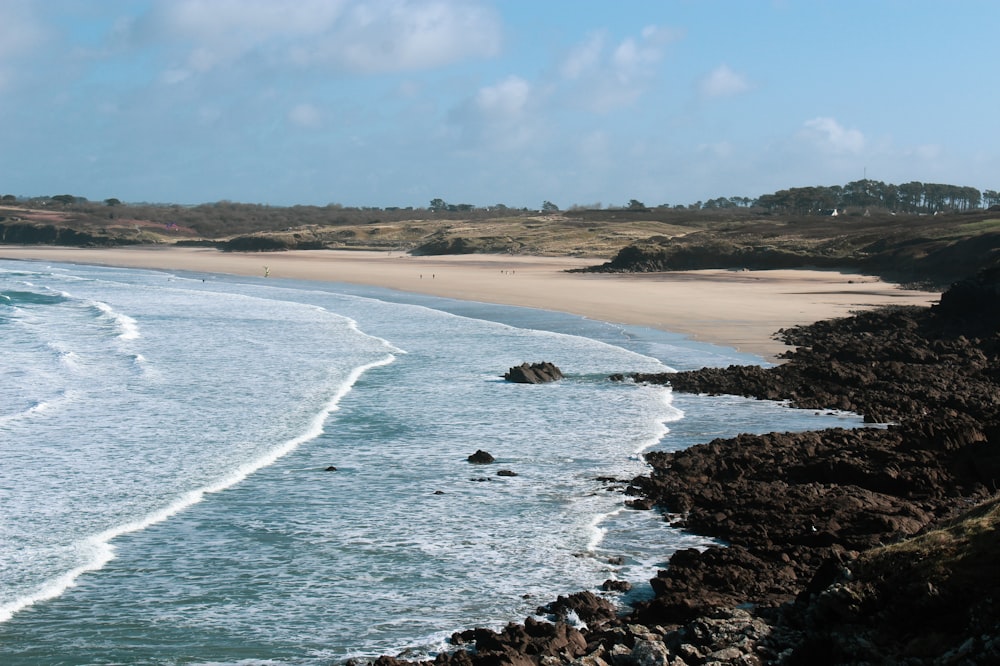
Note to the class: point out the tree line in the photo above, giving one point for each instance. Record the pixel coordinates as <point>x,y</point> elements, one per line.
<point>226,217</point>
<point>913,197</point>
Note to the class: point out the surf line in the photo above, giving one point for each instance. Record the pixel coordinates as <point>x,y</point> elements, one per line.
<point>99,546</point>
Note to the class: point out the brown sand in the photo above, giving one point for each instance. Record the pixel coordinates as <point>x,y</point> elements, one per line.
<point>740,309</point>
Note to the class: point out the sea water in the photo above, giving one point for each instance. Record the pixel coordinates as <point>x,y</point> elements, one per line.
<point>167,445</point>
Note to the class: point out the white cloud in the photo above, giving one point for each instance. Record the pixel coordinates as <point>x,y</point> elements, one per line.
<point>833,137</point>
<point>306,115</point>
<point>394,35</point>
<point>221,31</point>
<point>583,57</point>
<point>19,30</point>
<point>20,34</point>
<point>506,99</point>
<point>604,77</point>
<point>500,117</point>
<point>633,54</point>
<point>723,82</point>
<point>354,35</point>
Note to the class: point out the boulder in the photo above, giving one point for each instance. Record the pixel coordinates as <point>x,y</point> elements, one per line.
<point>481,457</point>
<point>533,373</point>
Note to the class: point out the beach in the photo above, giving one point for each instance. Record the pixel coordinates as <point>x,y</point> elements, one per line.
<point>182,496</point>
<point>192,515</point>
<point>738,309</point>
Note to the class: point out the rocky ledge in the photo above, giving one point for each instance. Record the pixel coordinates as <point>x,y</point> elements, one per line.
<point>875,545</point>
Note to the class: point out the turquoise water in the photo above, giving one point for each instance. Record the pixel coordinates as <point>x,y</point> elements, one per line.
<point>165,439</point>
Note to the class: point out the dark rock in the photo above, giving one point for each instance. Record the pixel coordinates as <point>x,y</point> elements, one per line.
<point>533,373</point>
<point>481,457</point>
<point>256,243</point>
<point>331,468</point>
<point>35,233</point>
<point>799,575</point>
<point>439,244</point>
<point>903,257</point>
<point>590,608</point>
<point>506,472</point>
<point>616,586</point>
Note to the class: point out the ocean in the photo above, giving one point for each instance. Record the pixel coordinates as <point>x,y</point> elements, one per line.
<point>166,445</point>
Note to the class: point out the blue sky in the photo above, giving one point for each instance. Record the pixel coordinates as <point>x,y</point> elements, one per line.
<point>397,102</point>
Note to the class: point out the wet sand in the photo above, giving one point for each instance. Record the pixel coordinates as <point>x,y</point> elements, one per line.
<point>740,309</point>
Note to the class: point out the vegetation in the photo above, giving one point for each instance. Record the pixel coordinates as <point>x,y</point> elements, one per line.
<point>899,232</point>
<point>913,197</point>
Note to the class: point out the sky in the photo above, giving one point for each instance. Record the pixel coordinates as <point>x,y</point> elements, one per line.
<point>516,102</point>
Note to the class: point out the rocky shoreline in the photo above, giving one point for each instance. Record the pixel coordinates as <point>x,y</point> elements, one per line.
<point>875,545</point>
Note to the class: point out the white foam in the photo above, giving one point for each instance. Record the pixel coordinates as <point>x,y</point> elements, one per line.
<point>597,533</point>
<point>67,357</point>
<point>672,415</point>
<point>128,327</point>
<point>101,555</point>
<point>37,408</point>
<point>98,548</point>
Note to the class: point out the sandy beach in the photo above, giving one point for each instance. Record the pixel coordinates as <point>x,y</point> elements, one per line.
<point>739,309</point>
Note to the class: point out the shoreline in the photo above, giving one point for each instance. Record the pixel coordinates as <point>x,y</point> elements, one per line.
<point>737,309</point>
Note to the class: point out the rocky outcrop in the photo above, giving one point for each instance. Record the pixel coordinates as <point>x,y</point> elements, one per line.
<point>256,243</point>
<point>440,244</point>
<point>533,373</point>
<point>901,256</point>
<point>33,233</point>
<point>698,251</point>
<point>836,546</point>
<point>481,457</point>
<point>801,510</point>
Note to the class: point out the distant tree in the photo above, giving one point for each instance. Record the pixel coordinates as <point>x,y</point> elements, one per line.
<point>112,202</point>
<point>720,202</point>
<point>635,204</point>
<point>911,196</point>
<point>549,207</point>
<point>8,198</point>
<point>64,198</point>
<point>438,205</point>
